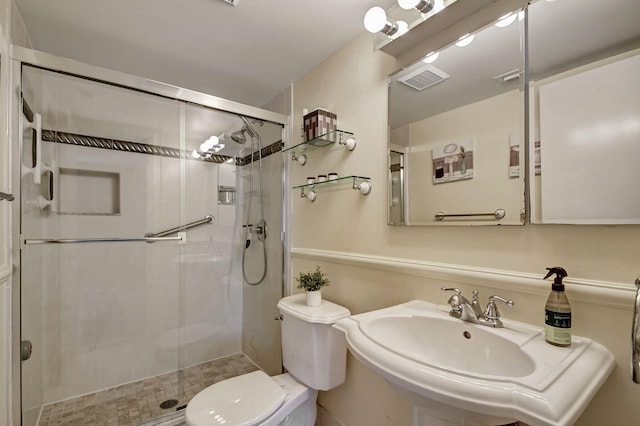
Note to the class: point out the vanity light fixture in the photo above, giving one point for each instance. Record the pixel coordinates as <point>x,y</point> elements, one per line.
<point>375,21</point>
<point>209,143</point>
<point>465,40</point>
<point>431,57</point>
<point>424,6</point>
<point>209,147</point>
<point>403,28</point>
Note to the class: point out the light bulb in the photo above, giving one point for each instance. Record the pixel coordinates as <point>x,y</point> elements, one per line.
<point>311,196</point>
<point>465,40</point>
<point>375,19</point>
<point>506,20</point>
<point>431,57</point>
<point>195,154</point>
<point>209,143</point>
<point>403,28</point>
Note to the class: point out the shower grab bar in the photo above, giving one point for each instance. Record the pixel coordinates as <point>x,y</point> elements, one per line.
<point>498,214</point>
<point>31,241</point>
<point>207,219</point>
<point>5,196</point>
<point>635,337</point>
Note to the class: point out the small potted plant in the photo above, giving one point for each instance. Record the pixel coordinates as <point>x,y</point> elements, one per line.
<point>312,282</point>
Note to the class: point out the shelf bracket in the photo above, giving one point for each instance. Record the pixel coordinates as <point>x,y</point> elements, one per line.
<point>363,187</point>
<point>302,159</point>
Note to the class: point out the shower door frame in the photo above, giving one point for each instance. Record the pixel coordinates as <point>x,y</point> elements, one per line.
<point>19,56</point>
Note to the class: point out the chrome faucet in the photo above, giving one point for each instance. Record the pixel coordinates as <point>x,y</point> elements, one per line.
<point>471,311</point>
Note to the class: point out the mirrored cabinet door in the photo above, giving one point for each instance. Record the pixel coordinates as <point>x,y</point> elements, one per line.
<point>457,119</point>
<point>585,121</point>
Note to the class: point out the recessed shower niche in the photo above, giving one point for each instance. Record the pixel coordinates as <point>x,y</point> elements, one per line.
<point>100,192</point>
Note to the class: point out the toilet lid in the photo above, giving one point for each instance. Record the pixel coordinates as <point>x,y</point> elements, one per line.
<point>241,400</point>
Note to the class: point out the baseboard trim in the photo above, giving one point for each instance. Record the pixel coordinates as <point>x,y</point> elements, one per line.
<point>611,294</point>
<point>325,418</point>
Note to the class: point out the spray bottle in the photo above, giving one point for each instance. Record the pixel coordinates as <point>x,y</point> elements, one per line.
<point>557,318</point>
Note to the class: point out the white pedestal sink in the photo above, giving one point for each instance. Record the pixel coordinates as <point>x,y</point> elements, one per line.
<point>457,372</point>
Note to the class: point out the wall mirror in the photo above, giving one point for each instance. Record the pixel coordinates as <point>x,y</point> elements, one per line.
<point>585,111</point>
<point>456,128</point>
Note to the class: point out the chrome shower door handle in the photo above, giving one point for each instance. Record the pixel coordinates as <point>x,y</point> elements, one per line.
<point>635,337</point>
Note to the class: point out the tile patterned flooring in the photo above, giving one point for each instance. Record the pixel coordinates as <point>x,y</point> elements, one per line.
<point>139,402</point>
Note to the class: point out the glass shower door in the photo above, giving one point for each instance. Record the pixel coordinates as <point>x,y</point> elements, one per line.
<point>101,307</point>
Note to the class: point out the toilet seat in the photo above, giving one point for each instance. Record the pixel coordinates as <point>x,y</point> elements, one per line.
<point>243,400</point>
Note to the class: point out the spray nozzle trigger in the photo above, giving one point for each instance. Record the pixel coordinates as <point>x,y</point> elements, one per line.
<point>557,281</point>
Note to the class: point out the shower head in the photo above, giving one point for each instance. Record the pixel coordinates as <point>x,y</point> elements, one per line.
<point>239,137</point>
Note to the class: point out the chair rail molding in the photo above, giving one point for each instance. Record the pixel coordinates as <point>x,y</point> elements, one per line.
<point>610,294</point>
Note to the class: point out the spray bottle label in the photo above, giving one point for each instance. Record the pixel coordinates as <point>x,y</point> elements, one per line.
<point>557,327</point>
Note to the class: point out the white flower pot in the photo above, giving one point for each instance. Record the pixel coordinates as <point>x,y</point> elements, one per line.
<point>314,298</point>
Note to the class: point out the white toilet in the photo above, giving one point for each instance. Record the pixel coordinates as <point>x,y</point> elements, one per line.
<point>313,353</point>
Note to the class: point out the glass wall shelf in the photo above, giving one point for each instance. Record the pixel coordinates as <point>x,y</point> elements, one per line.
<point>361,184</point>
<point>329,138</point>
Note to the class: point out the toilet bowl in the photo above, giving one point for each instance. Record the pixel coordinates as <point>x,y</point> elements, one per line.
<point>315,356</point>
<point>254,399</point>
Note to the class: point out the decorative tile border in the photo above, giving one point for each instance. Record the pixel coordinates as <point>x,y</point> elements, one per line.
<point>143,148</point>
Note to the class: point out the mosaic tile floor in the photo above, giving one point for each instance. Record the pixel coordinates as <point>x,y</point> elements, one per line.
<point>139,402</point>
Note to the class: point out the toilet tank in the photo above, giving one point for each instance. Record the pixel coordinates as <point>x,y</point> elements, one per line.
<point>313,351</point>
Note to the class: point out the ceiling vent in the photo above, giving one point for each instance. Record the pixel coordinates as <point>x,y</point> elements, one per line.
<point>423,77</point>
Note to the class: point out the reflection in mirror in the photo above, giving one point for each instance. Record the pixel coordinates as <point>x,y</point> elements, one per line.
<point>585,78</point>
<point>396,188</point>
<point>457,119</point>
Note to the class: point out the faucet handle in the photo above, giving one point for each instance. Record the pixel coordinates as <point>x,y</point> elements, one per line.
<point>491,313</point>
<point>454,300</point>
<point>501,299</point>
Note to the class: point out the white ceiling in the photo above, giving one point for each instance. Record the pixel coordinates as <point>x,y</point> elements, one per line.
<point>246,53</point>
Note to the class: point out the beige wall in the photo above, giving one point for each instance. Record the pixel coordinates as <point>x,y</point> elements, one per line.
<point>343,224</point>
